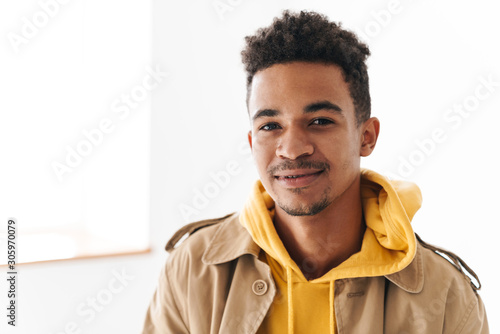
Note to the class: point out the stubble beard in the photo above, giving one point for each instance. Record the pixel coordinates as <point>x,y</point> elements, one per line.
<point>302,209</point>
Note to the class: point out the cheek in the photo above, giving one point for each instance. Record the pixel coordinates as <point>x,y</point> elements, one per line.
<point>264,146</point>
<point>340,151</point>
<point>262,155</point>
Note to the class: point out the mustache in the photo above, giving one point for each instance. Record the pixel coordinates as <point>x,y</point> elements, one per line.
<point>300,164</point>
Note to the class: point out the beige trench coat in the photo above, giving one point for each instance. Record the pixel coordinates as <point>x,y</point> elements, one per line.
<point>214,283</point>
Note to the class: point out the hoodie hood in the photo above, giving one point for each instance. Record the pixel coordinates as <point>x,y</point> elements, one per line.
<point>389,243</point>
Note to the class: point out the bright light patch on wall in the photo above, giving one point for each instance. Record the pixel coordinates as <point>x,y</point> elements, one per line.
<point>66,247</point>
<point>75,127</point>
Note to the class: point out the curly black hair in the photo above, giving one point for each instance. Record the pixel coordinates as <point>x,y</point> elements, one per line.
<point>310,36</point>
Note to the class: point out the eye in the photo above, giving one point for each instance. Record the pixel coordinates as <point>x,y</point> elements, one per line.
<point>269,126</point>
<point>322,121</point>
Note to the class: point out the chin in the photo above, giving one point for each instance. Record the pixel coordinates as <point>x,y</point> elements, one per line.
<point>305,210</point>
<point>300,208</point>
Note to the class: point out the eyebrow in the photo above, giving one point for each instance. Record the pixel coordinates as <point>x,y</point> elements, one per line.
<point>310,108</point>
<point>323,105</point>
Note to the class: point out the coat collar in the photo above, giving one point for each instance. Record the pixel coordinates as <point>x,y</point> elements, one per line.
<point>411,278</point>
<point>232,240</point>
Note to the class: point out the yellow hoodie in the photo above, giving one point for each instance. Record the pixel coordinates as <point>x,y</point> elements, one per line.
<point>388,247</point>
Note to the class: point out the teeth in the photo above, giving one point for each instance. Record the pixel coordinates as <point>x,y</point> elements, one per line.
<point>293,176</point>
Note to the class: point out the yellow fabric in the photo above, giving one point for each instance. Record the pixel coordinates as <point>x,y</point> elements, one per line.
<point>389,245</point>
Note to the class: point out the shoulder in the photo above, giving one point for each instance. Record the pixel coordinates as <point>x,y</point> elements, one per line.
<point>444,267</point>
<point>210,248</point>
<point>185,280</point>
<point>204,230</point>
<point>184,266</point>
<point>448,297</point>
<point>189,243</point>
<point>208,242</point>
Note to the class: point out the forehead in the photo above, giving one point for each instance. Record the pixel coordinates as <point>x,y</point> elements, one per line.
<point>297,84</point>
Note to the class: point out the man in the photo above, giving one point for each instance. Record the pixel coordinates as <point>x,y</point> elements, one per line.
<point>320,246</point>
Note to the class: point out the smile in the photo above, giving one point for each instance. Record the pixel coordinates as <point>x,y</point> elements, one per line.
<point>298,178</point>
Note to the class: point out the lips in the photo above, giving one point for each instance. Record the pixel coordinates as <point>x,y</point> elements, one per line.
<point>298,178</point>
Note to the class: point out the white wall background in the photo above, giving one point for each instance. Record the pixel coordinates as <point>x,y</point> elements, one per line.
<point>428,57</point>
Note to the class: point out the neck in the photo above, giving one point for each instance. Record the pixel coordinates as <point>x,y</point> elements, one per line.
<point>321,242</point>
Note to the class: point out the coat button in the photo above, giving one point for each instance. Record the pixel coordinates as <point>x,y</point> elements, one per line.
<point>259,287</point>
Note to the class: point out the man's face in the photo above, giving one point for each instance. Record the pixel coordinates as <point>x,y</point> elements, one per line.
<point>305,140</point>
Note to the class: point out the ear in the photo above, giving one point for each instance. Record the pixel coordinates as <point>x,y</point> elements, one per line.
<point>370,131</point>
<point>250,138</point>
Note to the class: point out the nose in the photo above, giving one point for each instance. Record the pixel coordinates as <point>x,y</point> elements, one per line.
<point>293,144</point>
